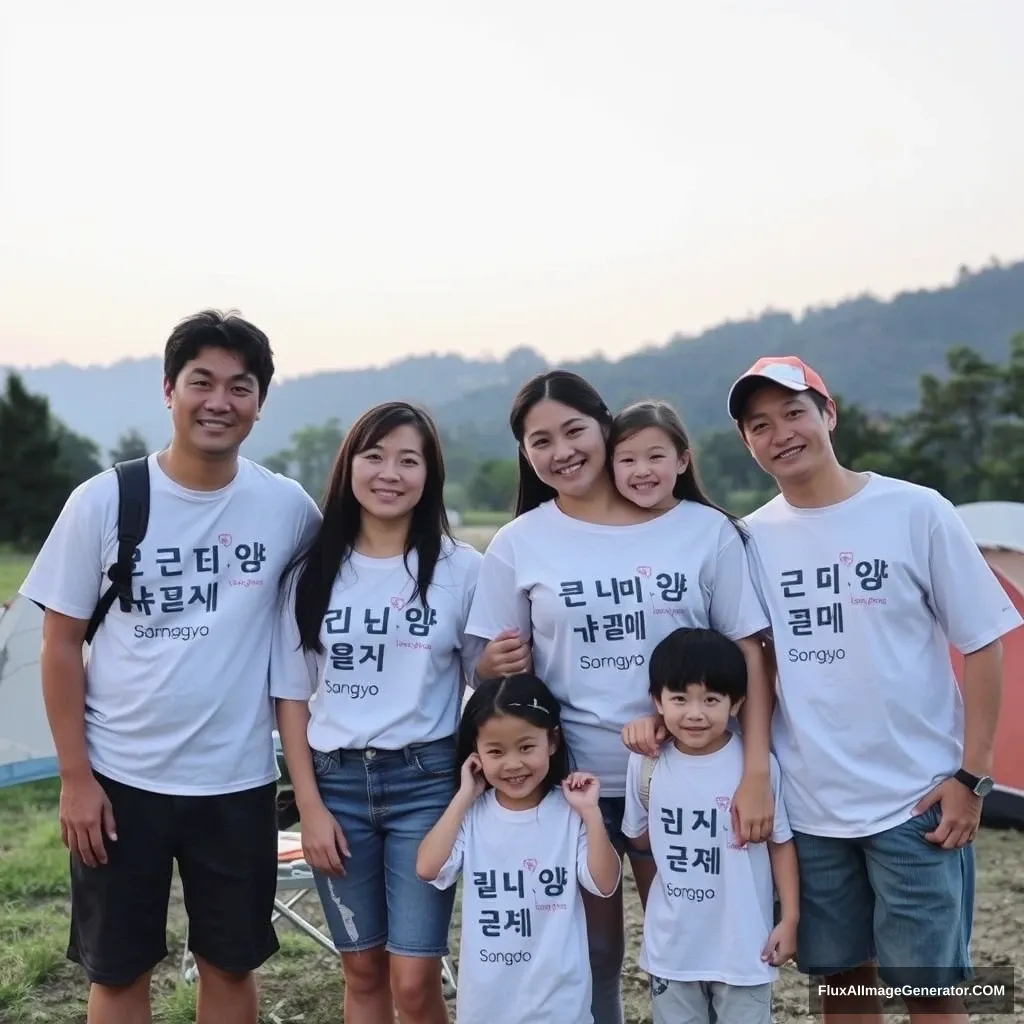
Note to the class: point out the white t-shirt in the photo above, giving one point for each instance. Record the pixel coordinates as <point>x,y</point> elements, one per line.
<point>598,599</point>
<point>523,955</point>
<point>391,673</point>
<point>865,598</point>
<point>176,691</point>
<point>710,909</point>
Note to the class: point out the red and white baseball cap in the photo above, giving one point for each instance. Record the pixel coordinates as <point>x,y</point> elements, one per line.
<point>786,371</point>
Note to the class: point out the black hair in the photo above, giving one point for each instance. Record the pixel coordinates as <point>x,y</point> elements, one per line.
<point>689,656</point>
<point>688,486</point>
<point>320,564</point>
<point>213,329</point>
<point>560,386</point>
<point>522,696</point>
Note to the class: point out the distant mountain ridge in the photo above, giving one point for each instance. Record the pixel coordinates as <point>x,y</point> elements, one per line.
<point>870,351</point>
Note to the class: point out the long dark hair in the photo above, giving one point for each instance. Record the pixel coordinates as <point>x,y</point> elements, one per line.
<point>342,515</point>
<point>560,386</point>
<point>522,696</point>
<point>688,487</point>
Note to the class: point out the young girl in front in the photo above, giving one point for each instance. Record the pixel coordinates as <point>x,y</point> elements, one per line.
<point>526,833</point>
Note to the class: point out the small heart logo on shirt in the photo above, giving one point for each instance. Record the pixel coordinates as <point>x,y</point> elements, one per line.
<point>530,864</point>
<point>846,558</point>
<point>225,539</point>
<point>397,603</point>
<point>643,570</point>
<point>723,802</point>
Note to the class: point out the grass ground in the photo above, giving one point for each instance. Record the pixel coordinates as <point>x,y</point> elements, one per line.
<point>302,983</point>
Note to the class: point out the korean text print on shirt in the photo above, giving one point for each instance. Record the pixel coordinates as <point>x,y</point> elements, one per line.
<point>598,599</point>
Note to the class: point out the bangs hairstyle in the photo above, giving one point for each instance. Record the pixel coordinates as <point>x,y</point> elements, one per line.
<point>689,656</point>
<point>321,563</point>
<point>522,696</point>
<point>560,386</point>
<point>688,486</point>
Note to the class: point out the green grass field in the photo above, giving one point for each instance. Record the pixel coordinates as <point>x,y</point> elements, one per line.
<point>12,572</point>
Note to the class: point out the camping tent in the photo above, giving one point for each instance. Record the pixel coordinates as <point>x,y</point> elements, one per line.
<point>26,748</point>
<point>998,529</point>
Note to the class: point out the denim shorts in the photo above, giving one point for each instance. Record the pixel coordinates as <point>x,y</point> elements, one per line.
<point>613,810</point>
<point>386,801</point>
<point>894,898</point>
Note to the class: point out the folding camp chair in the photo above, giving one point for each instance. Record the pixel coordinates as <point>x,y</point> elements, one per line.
<point>294,883</point>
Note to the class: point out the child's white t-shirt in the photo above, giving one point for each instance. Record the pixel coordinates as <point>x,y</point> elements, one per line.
<point>391,672</point>
<point>865,598</point>
<point>176,690</point>
<point>523,953</point>
<point>596,600</point>
<point>710,908</point>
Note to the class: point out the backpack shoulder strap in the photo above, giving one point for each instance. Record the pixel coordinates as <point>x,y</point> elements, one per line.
<point>132,523</point>
<point>647,766</point>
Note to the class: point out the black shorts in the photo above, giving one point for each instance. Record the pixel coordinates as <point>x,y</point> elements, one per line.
<point>226,851</point>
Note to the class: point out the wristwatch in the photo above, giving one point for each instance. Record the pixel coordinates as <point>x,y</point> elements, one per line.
<point>980,785</point>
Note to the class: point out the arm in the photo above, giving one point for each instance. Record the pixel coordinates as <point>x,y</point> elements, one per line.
<point>752,804</point>
<point>982,696</point>
<point>85,810</point>
<point>974,612</point>
<point>500,613</point>
<point>323,841</point>
<point>781,944</point>
<point>787,879</point>
<point>437,846</point>
<point>63,680</point>
<point>292,724</point>
<point>602,859</point>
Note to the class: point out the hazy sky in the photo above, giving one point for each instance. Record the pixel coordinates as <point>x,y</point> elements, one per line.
<point>372,179</point>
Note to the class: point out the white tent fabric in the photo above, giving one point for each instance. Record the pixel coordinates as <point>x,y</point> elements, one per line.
<point>995,524</point>
<point>26,747</point>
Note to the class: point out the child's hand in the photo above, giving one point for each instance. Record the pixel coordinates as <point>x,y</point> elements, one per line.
<point>473,782</point>
<point>781,944</point>
<point>645,735</point>
<point>506,655</point>
<point>581,791</point>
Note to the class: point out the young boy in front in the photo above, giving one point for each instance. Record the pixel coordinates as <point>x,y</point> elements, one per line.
<point>867,581</point>
<point>709,943</point>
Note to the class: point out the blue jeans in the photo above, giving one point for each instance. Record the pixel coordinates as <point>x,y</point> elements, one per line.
<point>386,801</point>
<point>893,897</point>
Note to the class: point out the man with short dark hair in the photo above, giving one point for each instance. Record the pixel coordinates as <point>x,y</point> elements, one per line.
<point>867,580</point>
<point>164,739</point>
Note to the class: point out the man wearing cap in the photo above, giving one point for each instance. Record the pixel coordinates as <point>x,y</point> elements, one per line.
<point>867,580</point>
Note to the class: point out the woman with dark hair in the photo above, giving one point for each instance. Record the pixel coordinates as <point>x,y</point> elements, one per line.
<point>369,662</point>
<point>585,584</point>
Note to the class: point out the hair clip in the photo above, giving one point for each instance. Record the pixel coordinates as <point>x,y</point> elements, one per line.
<point>535,704</point>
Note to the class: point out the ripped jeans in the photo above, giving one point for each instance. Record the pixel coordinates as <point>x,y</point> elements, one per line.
<point>386,801</point>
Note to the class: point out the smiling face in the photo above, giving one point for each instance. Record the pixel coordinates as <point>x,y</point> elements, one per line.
<point>214,402</point>
<point>646,466</point>
<point>698,718</point>
<point>565,448</point>
<point>388,478</point>
<point>515,757</point>
<point>786,433</point>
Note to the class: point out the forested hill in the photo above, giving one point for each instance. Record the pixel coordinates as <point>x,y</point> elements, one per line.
<point>871,352</point>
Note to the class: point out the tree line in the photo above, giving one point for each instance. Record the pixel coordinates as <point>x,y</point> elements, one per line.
<point>965,438</point>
